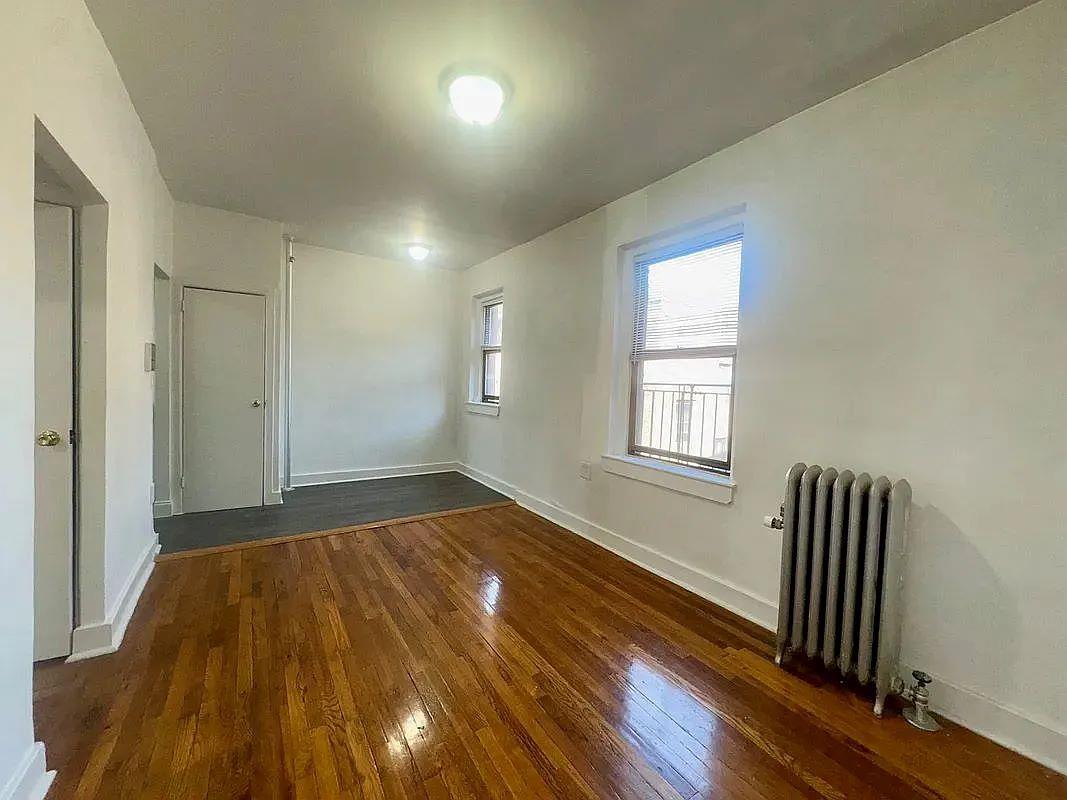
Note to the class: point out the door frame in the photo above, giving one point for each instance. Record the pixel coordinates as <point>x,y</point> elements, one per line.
<point>269,385</point>
<point>91,247</point>
<point>164,355</point>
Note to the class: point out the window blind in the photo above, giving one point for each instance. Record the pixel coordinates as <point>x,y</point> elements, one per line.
<point>492,324</point>
<point>686,302</point>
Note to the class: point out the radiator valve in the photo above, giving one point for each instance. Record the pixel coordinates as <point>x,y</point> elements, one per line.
<point>919,714</point>
<point>775,523</point>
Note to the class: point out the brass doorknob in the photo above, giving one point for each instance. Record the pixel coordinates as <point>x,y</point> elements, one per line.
<point>256,403</point>
<point>48,438</point>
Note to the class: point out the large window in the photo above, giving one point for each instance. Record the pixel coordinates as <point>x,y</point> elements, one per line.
<point>492,311</point>
<point>684,348</point>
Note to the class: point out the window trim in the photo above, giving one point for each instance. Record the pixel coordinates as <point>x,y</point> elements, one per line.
<point>678,478</point>
<point>485,409</point>
<point>660,253</point>
<point>617,460</point>
<point>478,402</point>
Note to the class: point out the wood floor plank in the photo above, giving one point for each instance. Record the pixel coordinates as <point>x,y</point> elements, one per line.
<point>482,654</point>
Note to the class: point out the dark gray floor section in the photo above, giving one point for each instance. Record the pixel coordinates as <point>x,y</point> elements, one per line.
<point>318,508</point>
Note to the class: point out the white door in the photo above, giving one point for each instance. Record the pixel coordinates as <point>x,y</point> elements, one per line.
<point>223,403</point>
<point>53,528</point>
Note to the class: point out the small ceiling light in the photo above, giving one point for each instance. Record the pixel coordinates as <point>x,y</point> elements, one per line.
<point>418,252</point>
<point>476,99</point>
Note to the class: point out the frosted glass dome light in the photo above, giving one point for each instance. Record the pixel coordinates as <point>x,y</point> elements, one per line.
<point>418,252</point>
<point>476,99</point>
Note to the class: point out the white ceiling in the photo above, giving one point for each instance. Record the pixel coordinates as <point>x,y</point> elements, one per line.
<point>327,114</point>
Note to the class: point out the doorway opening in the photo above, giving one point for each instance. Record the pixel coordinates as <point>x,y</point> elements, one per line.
<point>70,237</point>
<point>162,416</point>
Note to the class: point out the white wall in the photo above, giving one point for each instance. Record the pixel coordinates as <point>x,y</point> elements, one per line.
<point>16,407</point>
<point>375,372</point>
<point>902,311</point>
<point>216,249</point>
<point>59,69</point>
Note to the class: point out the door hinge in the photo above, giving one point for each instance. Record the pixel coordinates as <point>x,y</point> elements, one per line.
<point>182,482</point>
<point>72,437</point>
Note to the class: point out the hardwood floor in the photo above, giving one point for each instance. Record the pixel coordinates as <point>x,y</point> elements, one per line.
<point>482,655</point>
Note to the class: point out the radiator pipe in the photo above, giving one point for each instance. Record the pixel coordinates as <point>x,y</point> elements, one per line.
<point>919,713</point>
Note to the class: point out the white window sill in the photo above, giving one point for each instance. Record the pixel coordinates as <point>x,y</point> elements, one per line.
<point>488,409</point>
<point>677,478</point>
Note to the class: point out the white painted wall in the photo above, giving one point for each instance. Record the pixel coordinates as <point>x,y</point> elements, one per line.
<point>16,410</point>
<point>902,310</point>
<point>59,69</point>
<point>216,249</point>
<point>375,370</point>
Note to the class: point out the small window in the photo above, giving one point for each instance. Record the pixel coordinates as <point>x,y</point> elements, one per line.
<point>492,329</point>
<point>684,349</point>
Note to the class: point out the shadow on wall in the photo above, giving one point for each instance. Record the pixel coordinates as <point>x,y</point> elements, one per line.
<point>948,584</point>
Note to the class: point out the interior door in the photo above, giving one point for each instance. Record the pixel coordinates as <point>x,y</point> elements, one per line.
<point>223,402</point>
<point>53,528</point>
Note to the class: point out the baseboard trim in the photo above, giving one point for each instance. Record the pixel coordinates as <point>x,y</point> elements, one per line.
<point>1041,740</point>
<point>711,587</point>
<point>1037,739</point>
<point>273,498</point>
<point>345,476</point>
<point>162,508</point>
<point>101,638</point>
<point>31,778</point>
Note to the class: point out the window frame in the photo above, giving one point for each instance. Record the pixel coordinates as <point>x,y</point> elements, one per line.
<point>477,399</point>
<point>661,251</point>
<point>486,352</point>
<point>487,349</point>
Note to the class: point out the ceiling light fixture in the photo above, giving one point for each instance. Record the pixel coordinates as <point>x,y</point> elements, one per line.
<point>418,252</point>
<point>476,98</point>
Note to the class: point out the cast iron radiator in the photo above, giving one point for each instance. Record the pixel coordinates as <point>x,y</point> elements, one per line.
<point>843,541</point>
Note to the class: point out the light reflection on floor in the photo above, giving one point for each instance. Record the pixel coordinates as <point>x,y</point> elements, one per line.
<point>412,727</point>
<point>685,732</point>
<point>490,592</point>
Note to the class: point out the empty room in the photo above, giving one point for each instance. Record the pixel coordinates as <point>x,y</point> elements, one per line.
<point>530,400</point>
